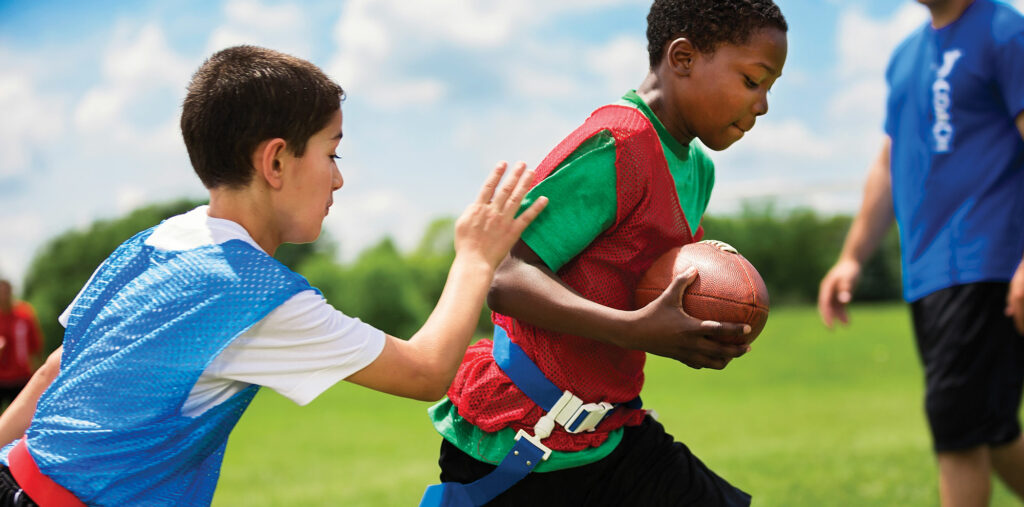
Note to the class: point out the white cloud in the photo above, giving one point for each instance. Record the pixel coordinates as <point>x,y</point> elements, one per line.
<point>18,229</point>
<point>487,23</point>
<point>129,197</point>
<point>788,137</point>
<point>283,27</point>
<point>621,63</point>
<point>865,44</point>
<point>529,79</point>
<point>29,121</point>
<point>137,62</point>
<point>380,41</point>
<point>360,218</point>
<point>513,135</point>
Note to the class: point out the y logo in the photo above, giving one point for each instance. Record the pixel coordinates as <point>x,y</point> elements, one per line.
<point>942,102</point>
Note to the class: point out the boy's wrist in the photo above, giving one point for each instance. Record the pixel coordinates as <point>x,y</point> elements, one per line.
<point>476,265</point>
<point>623,328</point>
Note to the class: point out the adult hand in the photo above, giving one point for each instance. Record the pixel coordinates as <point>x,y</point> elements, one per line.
<point>664,328</point>
<point>1015,299</point>
<point>489,227</point>
<point>836,291</point>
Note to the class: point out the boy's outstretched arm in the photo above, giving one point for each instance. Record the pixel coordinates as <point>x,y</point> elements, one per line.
<point>424,366</point>
<point>525,288</point>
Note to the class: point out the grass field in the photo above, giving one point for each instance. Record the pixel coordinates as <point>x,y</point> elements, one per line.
<point>808,418</point>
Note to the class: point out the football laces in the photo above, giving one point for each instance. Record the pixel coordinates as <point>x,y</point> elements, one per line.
<point>721,245</point>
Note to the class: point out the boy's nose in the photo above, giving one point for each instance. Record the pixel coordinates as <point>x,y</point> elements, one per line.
<point>337,181</point>
<point>761,106</point>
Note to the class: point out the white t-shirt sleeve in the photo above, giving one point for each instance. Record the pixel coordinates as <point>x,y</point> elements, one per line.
<point>299,349</point>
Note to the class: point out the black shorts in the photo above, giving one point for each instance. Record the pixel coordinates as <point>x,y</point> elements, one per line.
<point>647,468</point>
<point>11,494</point>
<point>974,366</point>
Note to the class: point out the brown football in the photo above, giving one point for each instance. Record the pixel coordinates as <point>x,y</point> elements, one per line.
<point>727,288</point>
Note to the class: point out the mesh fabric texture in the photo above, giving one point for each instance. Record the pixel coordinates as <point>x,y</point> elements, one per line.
<point>648,222</point>
<point>110,428</point>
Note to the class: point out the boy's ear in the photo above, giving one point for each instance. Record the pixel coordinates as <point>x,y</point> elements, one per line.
<point>268,160</point>
<point>680,55</point>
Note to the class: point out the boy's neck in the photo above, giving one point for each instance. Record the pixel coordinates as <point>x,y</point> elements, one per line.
<point>244,207</point>
<point>652,92</point>
<point>945,12</point>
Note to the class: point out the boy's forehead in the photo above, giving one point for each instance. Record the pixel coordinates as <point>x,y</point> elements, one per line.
<point>766,49</point>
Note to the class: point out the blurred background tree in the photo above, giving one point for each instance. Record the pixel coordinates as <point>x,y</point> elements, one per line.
<point>793,250</point>
<point>395,291</point>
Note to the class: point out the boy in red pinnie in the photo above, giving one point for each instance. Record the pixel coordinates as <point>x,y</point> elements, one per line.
<point>553,401</point>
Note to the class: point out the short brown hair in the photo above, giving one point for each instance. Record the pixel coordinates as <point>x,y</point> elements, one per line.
<point>244,95</point>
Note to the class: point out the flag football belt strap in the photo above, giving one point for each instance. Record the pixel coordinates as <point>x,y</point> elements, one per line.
<point>40,488</point>
<point>562,407</point>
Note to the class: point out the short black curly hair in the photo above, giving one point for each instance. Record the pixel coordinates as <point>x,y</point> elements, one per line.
<point>708,23</point>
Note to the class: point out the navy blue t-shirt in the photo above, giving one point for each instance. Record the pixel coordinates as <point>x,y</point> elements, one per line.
<point>957,156</point>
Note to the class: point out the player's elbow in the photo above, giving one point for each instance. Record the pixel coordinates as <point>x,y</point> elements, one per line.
<point>431,388</point>
<point>431,381</point>
<point>51,367</point>
<point>433,393</point>
<point>498,294</point>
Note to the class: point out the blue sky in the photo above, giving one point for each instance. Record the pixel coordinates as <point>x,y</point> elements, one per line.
<point>438,90</point>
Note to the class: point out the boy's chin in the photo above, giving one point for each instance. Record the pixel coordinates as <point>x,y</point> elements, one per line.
<point>718,144</point>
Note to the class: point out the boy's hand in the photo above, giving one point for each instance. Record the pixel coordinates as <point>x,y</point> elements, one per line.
<point>836,291</point>
<point>489,227</point>
<point>663,328</point>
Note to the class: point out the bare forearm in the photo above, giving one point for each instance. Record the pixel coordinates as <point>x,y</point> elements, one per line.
<point>876,214</point>
<point>533,293</point>
<point>441,342</point>
<point>16,419</point>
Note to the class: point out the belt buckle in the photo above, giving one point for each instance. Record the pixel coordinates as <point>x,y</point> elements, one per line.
<point>587,417</point>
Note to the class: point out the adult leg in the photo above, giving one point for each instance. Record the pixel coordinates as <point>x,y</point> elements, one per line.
<point>964,478</point>
<point>1008,461</point>
<point>973,368</point>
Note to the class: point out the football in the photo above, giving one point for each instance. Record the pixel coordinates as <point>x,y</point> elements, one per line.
<point>727,288</point>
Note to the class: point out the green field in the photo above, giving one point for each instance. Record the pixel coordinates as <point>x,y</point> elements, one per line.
<point>809,417</point>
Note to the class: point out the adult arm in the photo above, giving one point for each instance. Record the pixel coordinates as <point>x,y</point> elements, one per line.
<point>875,217</point>
<point>1015,296</point>
<point>16,419</point>
<point>525,288</point>
<point>424,366</point>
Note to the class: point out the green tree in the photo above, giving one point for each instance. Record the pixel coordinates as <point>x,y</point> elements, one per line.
<point>379,288</point>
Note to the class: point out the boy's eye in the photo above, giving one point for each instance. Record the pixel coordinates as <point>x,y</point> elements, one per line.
<point>335,156</point>
<point>750,82</point>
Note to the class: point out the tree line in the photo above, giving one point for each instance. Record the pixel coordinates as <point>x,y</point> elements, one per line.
<point>395,290</point>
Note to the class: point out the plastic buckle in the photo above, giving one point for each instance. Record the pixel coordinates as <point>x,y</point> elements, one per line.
<point>587,417</point>
<point>536,443</point>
